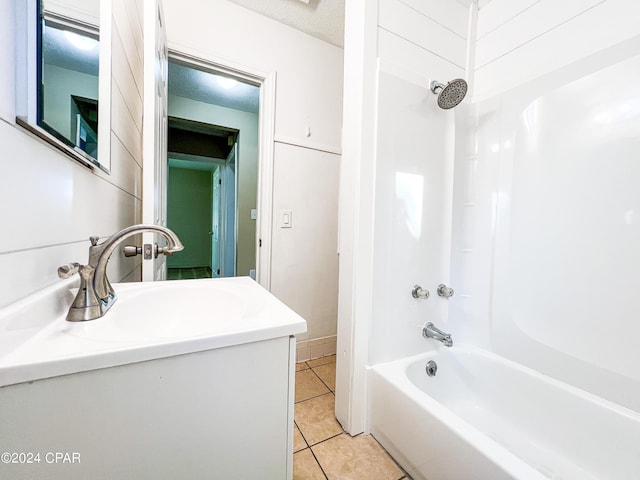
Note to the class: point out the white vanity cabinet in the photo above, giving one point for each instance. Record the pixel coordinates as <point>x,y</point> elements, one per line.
<point>218,414</point>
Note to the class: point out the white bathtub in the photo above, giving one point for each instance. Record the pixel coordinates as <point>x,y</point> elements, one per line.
<point>485,417</point>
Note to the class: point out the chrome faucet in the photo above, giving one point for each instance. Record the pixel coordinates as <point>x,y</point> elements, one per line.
<point>430,331</point>
<point>96,294</point>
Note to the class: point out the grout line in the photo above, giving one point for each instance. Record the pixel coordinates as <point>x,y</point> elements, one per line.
<point>315,396</point>
<point>405,474</point>
<point>318,462</point>
<point>328,362</point>
<point>304,439</point>
<point>328,438</point>
<point>322,381</point>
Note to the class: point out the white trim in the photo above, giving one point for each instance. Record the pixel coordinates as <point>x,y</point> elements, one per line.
<point>291,398</point>
<point>266,127</point>
<point>265,180</point>
<point>104,87</point>
<point>26,85</point>
<point>357,189</point>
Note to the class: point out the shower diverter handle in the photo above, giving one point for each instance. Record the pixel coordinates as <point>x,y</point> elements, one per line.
<point>419,292</point>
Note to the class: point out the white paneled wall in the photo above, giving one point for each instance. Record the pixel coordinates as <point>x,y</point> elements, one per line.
<point>445,14</point>
<point>305,260</point>
<point>51,204</point>
<point>419,28</point>
<point>126,84</point>
<point>524,39</point>
<point>308,123</point>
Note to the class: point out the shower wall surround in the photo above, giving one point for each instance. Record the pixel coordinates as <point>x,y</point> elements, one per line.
<point>545,254</point>
<point>522,198</point>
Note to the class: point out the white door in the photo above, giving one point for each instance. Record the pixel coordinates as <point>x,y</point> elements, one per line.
<point>154,133</point>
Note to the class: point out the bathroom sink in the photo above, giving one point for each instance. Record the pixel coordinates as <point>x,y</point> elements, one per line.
<point>176,310</point>
<point>149,320</point>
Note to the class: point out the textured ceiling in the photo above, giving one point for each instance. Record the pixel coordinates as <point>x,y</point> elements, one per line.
<point>210,88</point>
<point>60,48</point>
<point>323,19</point>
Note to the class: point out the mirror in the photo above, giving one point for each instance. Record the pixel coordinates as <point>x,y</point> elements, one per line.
<point>68,77</point>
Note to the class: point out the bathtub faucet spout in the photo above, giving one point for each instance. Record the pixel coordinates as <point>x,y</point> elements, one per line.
<point>430,331</point>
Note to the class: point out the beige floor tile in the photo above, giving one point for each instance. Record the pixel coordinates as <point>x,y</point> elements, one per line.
<point>355,458</point>
<point>316,419</point>
<point>298,440</point>
<point>321,361</point>
<point>301,366</point>
<point>327,374</point>
<point>308,385</point>
<point>305,466</point>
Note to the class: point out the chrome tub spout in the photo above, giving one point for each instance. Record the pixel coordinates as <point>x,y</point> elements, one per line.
<point>430,331</point>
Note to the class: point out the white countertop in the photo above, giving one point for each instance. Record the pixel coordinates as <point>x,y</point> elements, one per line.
<point>148,321</point>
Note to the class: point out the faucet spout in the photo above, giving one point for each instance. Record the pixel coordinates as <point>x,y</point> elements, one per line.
<point>96,294</point>
<point>431,331</point>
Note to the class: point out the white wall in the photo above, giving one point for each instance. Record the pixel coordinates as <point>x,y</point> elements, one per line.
<point>308,95</point>
<point>51,204</point>
<point>552,258</point>
<point>247,166</point>
<point>296,277</point>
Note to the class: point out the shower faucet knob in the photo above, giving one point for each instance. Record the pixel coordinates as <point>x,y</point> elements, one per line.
<point>445,291</point>
<point>419,292</point>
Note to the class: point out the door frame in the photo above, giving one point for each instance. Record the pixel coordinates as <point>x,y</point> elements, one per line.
<point>215,273</point>
<point>266,133</point>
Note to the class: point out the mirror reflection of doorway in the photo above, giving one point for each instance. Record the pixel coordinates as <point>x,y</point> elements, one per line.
<point>212,180</point>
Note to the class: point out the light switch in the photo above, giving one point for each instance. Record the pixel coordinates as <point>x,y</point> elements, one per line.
<point>254,214</point>
<point>285,218</point>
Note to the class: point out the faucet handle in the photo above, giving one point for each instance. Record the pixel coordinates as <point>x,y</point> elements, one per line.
<point>419,292</point>
<point>132,250</point>
<point>68,270</point>
<point>445,291</point>
<point>94,240</point>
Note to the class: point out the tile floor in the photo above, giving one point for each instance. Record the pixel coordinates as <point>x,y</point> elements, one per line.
<point>188,273</point>
<point>322,450</point>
